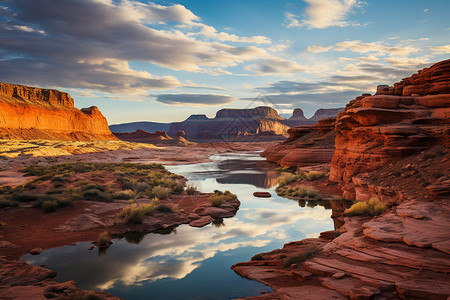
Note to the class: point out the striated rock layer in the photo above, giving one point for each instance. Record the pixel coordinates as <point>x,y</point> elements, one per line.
<point>375,131</point>
<point>306,146</point>
<point>34,113</point>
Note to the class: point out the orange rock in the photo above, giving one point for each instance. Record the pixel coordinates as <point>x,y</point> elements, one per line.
<point>33,113</point>
<point>374,131</point>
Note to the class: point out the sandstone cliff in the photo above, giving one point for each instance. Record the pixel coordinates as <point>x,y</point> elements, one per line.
<point>398,121</point>
<point>234,125</point>
<point>307,145</point>
<point>33,113</point>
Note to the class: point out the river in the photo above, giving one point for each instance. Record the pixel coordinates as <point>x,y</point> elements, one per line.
<point>194,263</point>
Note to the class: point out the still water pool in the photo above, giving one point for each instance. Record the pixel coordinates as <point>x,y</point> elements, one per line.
<point>194,263</point>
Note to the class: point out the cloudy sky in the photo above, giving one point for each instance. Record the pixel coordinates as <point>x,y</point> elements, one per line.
<point>164,60</point>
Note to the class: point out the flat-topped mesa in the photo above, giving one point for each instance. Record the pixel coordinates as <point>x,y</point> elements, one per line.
<point>261,112</point>
<point>33,113</point>
<point>142,134</point>
<point>31,95</point>
<point>374,131</point>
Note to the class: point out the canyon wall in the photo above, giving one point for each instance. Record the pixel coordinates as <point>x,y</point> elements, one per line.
<point>34,113</point>
<point>307,145</point>
<point>398,121</point>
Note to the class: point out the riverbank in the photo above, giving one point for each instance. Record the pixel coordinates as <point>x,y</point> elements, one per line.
<point>26,229</point>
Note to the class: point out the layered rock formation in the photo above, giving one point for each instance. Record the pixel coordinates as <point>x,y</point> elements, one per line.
<point>398,121</point>
<point>306,146</point>
<point>234,125</point>
<point>157,138</point>
<point>260,123</point>
<point>33,113</point>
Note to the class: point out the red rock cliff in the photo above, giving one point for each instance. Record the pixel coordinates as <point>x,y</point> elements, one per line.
<point>33,113</point>
<point>374,131</point>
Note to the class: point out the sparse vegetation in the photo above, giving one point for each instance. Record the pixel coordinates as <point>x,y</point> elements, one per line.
<point>191,189</point>
<point>298,192</point>
<point>289,178</point>
<point>104,182</point>
<point>104,240</point>
<point>218,198</point>
<point>371,208</point>
<point>300,257</point>
<point>135,213</point>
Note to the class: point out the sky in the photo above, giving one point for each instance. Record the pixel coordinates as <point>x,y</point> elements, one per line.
<point>162,61</point>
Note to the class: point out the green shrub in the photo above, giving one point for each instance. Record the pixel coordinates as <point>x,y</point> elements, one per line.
<point>371,208</point>
<point>300,257</point>
<point>191,189</point>
<point>141,187</point>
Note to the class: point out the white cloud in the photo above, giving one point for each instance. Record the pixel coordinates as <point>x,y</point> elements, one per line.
<point>318,49</point>
<point>211,32</point>
<point>440,49</point>
<point>426,10</point>
<point>274,65</point>
<point>321,14</point>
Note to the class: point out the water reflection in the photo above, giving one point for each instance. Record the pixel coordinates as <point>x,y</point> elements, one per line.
<point>194,263</point>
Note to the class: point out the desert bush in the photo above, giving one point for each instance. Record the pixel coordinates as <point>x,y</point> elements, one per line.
<point>5,189</point>
<point>191,189</point>
<point>24,197</point>
<point>371,208</point>
<point>218,198</point>
<point>286,179</point>
<point>141,186</point>
<point>124,195</point>
<point>297,192</point>
<point>7,203</point>
<point>300,257</point>
<point>93,187</point>
<point>135,213</point>
<point>95,195</point>
<point>104,239</point>
<point>49,206</point>
<point>313,175</point>
<point>164,208</point>
<point>178,188</point>
<point>160,192</point>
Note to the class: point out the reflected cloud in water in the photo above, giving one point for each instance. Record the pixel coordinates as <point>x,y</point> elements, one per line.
<point>171,263</point>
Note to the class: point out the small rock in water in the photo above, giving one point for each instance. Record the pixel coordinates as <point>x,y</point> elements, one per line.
<point>35,251</point>
<point>338,275</point>
<point>90,247</point>
<point>262,194</point>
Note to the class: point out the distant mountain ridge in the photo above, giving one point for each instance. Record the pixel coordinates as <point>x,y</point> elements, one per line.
<point>231,124</point>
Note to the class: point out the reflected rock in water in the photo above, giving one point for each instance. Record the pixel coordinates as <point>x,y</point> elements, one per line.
<point>261,174</point>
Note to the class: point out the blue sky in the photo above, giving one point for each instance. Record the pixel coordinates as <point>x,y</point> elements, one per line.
<point>165,60</point>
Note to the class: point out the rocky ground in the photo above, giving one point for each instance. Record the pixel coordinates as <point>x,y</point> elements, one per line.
<point>393,148</point>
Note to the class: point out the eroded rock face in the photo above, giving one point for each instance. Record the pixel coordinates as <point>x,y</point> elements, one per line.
<point>33,113</point>
<point>307,145</point>
<point>260,123</point>
<point>396,122</point>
